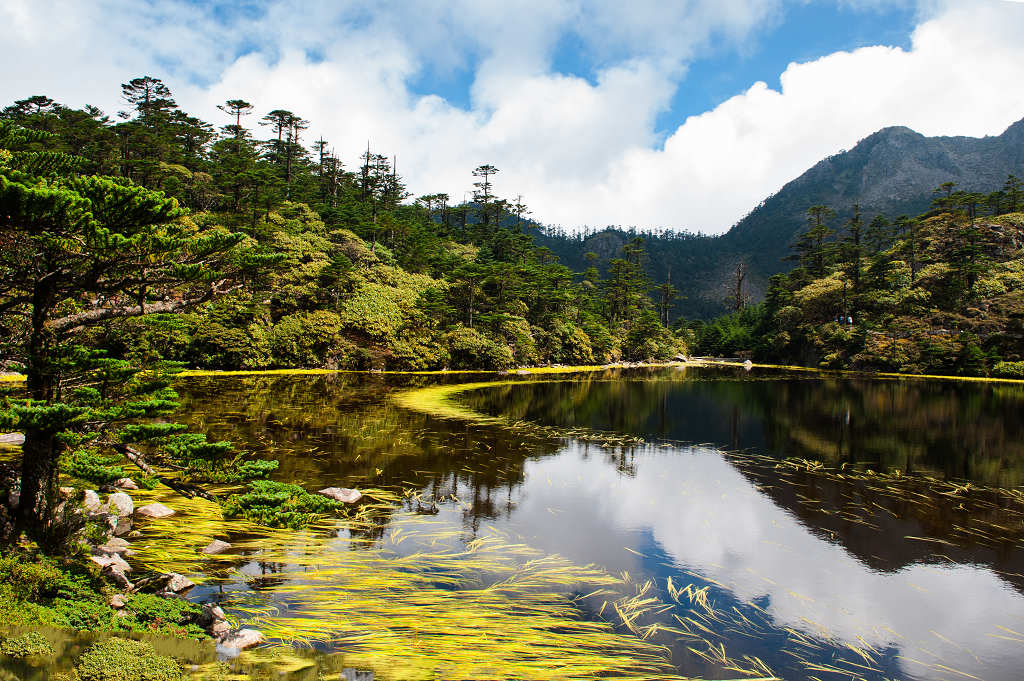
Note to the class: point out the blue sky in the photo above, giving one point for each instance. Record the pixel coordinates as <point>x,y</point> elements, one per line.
<point>801,32</point>
<point>681,114</point>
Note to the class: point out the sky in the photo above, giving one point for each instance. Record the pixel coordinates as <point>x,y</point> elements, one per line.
<point>664,114</point>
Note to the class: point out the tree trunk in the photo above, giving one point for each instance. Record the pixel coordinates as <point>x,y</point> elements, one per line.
<point>39,452</point>
<point>38,480</point>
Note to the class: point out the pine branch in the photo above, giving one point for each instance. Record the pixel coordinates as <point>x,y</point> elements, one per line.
<point>81,319</point>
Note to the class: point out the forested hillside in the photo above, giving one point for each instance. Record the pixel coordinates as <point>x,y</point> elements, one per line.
<point>890,172</point>
<point>334,267</point>
<point>942,293</point>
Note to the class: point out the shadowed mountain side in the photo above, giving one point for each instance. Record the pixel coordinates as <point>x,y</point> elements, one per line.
<point>893,171</point>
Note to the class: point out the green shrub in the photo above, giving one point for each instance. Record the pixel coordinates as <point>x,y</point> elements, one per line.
<point>169,616</point>
<point>1008,369</point>
<point>88,464</point>
<point>279,504</point>
<point>470,349</point>
<point>120,659</point>
<point>306,339</point>
<point>566,343</point>
<point>31,644</point>
<point>417,353</point>
<point>648,339</point>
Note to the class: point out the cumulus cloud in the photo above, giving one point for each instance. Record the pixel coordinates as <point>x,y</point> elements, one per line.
<point>581,150</point>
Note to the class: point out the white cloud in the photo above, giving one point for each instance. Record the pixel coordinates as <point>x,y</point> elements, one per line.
<point>580,151</point>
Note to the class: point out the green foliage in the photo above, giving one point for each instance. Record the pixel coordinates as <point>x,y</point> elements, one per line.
<point>31,644</point>
<point>279,504</point>
<point>119,659</point>
<point>470,349</point>
<point>306,339</point>
<point>648,339</point>
<point>1008,369</point>
<point>939,294</point>
<point>90,465</point>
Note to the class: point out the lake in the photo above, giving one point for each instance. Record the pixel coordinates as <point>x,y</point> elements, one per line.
<point>646,523</point>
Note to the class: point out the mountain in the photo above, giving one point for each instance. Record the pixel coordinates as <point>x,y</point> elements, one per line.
<point>893,172</point>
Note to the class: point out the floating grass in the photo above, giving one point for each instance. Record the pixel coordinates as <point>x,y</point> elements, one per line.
<point>490,608</point>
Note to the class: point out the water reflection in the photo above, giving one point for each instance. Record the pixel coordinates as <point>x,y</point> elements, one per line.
<point>837,575</point>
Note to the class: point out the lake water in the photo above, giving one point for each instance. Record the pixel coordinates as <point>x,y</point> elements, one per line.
<point>660,523</point>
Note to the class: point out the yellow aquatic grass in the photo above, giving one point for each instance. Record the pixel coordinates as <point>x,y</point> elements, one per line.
<point>493,608</point>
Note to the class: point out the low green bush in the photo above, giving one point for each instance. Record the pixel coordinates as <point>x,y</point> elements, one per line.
<point>1008,369</point>
<point>32,644</point>
<point>120,659</point>
<point>279,504</point>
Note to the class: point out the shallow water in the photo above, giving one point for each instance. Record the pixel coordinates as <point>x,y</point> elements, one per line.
<point>558,544</point>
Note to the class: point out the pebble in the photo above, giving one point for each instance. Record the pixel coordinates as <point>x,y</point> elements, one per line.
<point>117,601</point>
<point>115,545</point>
<point>12,438</point>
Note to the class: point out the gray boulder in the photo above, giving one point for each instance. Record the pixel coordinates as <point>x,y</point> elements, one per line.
<point>121,504</point>
<point>242,639</point>
<point>154,510</point>
<point>91,501</point>
<point>178,583</point>
<point>216,546</point>
<point>342,494</point>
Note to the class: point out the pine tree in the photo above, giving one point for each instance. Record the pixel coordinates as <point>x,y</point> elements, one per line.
<point>78,251</point>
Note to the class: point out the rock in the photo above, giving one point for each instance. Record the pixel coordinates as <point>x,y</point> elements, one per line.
<point>216,546</point>
<point>170,594</point>
<point>241,639</point>
<point>120,503</point>
<point>213,613</point>
<point>125,483</point>
<point>117,601</point>
<point>343,494</point>
<point>219,629</point>
<point>123,526</point>
<point>353,674</point>
<point>12,439</point>
<point>154,510</point>
<point>115,545</point>
<point>117,576</point>
<point>92,501</point>
<point>178,583</point>
<point>112,560</point>
<point>66,492</point>
<point>748,365</point>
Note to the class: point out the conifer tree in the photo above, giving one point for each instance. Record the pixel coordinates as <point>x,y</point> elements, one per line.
<point>79,251</point>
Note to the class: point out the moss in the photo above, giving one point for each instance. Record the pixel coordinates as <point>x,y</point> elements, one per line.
<point>32,644</point>
<point>120,659</point>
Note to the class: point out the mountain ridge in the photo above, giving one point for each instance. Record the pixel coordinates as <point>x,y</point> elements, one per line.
<point>893,171</point>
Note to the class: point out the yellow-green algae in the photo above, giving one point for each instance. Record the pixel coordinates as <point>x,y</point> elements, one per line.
<point>492,608</point>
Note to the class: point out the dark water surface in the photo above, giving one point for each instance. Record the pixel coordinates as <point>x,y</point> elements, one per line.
<point>817,527</point>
